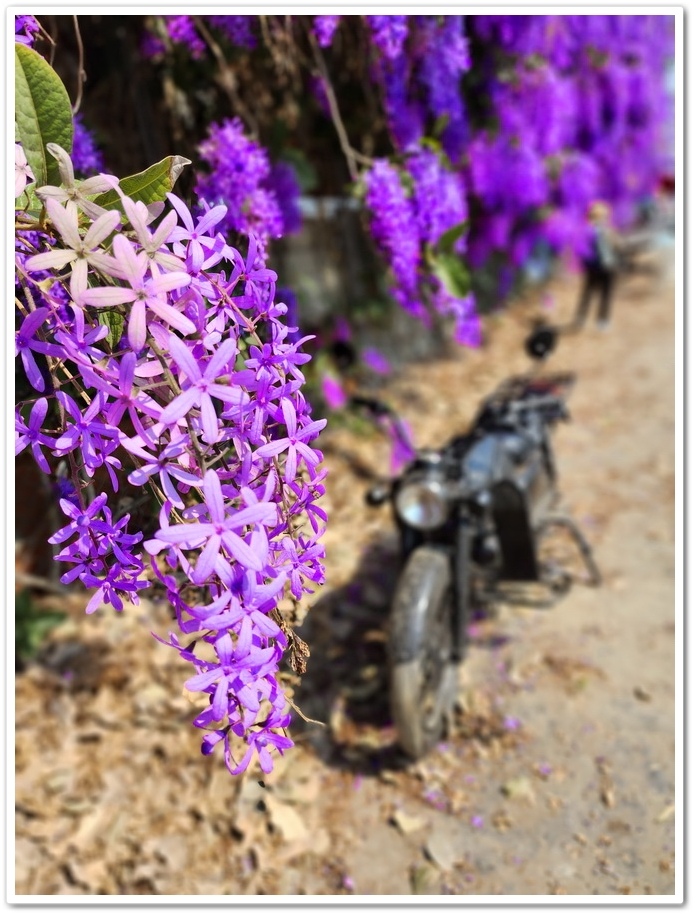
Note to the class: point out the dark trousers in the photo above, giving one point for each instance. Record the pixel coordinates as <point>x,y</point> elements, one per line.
<point>600,282</point>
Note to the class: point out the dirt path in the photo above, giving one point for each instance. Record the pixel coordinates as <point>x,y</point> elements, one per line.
<point>560,776</point>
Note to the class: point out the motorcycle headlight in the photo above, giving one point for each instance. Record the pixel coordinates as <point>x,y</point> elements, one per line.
<point>422,504</point>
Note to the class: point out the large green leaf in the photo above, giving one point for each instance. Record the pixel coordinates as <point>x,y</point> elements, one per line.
<point>149,186</point>
<point>450,237</point>
<point>450,270</point>
<point>42,113</point>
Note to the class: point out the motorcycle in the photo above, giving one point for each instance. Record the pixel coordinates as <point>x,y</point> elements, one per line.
<point>479,523</point>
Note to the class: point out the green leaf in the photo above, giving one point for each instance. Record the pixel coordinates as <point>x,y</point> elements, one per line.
<point>448,239</point>
<point>32,625</point>
<point>42,113</point>
<point>28,204</point>
<point>440,125</point>
<point>450,270</point>
<point>114,321</point>
<point>149,186</point>
<point>305,171</point>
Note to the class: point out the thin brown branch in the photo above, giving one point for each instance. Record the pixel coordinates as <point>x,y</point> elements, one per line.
<point>40,582</point>
<point>81,75</point>
<point>353,157</point>
<point>303,716</point>
<point>226,77</point>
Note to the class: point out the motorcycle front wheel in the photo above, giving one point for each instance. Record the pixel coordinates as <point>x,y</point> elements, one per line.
<point>422,674</point>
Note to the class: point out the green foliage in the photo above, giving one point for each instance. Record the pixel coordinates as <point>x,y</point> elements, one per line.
<point>149,186</point>
<point>32,626</point>
<point>447,265</point>
<point>449,268</point>
<point>449,239</point>
<point>114,321</point>
<point>305,171</point>
<point>42,113</point>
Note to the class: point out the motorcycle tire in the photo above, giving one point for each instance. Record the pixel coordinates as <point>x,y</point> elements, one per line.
<point>422,673</point>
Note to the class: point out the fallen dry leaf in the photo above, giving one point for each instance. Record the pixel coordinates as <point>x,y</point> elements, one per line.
<point>519,788</point>
<point>407,823</point>
<point>665,814</point>
<point>285,820</point>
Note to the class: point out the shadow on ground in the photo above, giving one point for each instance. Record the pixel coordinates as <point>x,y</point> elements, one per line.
<point>346,682</point>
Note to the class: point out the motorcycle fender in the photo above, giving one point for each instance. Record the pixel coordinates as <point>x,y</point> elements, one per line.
<point>425,578</point>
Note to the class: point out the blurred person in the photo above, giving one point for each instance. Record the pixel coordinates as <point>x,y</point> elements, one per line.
<point>600,266</point>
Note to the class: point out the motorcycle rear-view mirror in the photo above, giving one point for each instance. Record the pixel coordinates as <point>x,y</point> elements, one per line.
<point>541,342</point>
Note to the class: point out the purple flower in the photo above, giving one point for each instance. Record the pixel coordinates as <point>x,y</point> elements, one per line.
<point>81,253</point>
<point>26,345</point>
<point>30,433</point>
<point>228,611</point>
<point>394,228</point>
<point>389,34</point>
<point>301,563</point>
<point>86,157</point>
<point>334,393</point>
<point>241,30</point>
<point>240,541</point>
<point>324,28</point>
<point>255,275</point>
<point>234,658</point>
<point>152,243</point>
<point>295,443</point>
<point>114,584</point>
<point>143,292</point>
<point>285,185</point>
<point>95,439</point>
<point>126,396</point>
<point>200,386</point>
<point>25,29</point>
<point>219,533</point>
<point>81,519</point>
<point>164,465</point>
<point>182,30</point>
<point>376,361</point>
<point>259,743</point>
<point>23,172</point>
<point>202,250</point>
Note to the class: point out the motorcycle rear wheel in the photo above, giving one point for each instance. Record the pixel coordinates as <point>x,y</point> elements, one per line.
<point>422,674</point>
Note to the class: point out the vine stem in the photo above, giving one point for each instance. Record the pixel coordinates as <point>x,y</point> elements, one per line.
<point>81,75</point>
<point>226,77</point>
<point>353,157</point>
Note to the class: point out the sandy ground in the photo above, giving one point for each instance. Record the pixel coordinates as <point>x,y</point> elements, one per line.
<point>559,778</point>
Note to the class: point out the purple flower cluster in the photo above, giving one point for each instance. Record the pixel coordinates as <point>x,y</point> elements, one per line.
<point>421,77</point>
<point>419,62</point>
<point>182,31</point>
<point>406,224</point>
<point>241,31</point>
<point>439,196</point>
<point>170,362</point>
<point>562,110</point>
<point>260,198</point>
<point>100,551</point>
<point>578,103</point>
<point>395,231</point>
<point>389,34</point>
<point>324,28</point>
<point>86,156</point>
<point>445,59</point>
<point>26,28</point>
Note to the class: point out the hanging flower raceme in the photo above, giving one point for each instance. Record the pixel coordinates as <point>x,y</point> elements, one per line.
<point>169,364</point>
